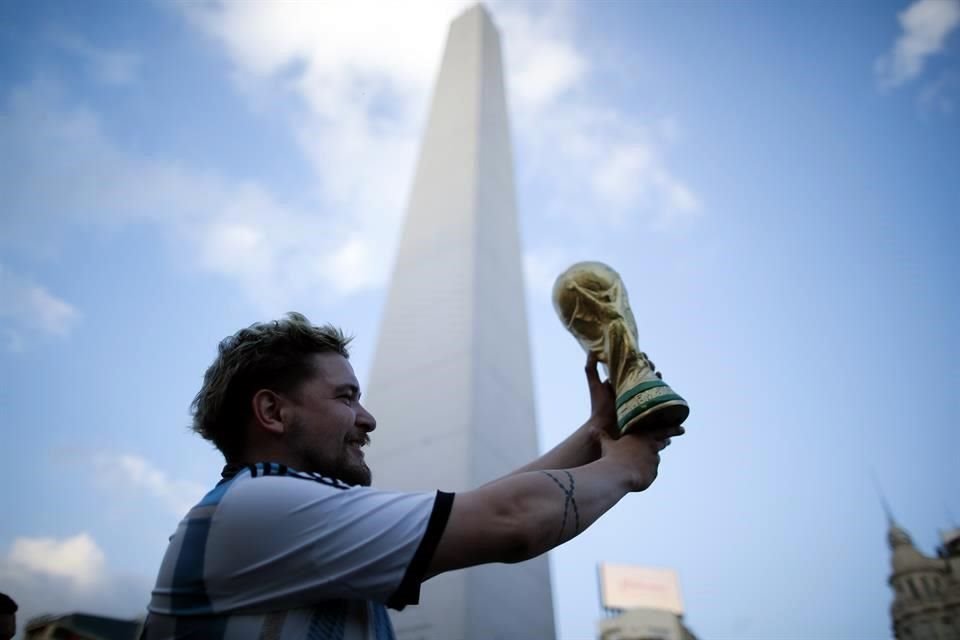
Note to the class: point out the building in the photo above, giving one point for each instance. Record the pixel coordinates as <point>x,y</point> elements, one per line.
<point>644,624</point>
<point>81,626</point>
<point>640,603</point>
<point>926,601</point>
<point>451,377</point>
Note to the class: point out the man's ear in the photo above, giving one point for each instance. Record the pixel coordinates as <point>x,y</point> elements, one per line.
<point>267,407</point>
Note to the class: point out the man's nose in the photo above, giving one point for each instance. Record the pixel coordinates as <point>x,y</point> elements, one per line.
<point>365,419</point>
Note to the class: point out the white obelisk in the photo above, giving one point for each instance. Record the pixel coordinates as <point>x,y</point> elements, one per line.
<point>451,384</point>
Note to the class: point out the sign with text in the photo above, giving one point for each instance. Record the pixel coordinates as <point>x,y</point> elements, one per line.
<point>632,587</point>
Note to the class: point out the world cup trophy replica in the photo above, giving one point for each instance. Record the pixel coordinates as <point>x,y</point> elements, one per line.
<point>592,303</point>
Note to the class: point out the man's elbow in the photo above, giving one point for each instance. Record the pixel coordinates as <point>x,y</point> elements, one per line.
<point>496,524</point>
<point>518,546</point>
<point>520,537</point>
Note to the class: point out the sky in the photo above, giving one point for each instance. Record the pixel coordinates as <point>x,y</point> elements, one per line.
<point>776,182</point>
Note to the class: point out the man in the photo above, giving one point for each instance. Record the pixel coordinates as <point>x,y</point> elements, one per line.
<point>8,617</point>
<point>293,542</point>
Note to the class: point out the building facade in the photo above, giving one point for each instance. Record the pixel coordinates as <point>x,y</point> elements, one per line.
<point>926,601</point>
<point>640,603</point>
<point>644,624</point>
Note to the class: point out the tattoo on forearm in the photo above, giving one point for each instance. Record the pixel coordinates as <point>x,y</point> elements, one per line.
<point>568,502</point>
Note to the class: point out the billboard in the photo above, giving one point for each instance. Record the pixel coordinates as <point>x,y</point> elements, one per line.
<point>631,587</point>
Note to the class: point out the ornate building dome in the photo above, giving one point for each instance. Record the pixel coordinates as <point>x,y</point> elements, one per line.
<point>924,605</point>
<point>905,557</point>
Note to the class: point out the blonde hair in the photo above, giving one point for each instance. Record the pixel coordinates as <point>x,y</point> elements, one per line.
<point>266,355</point>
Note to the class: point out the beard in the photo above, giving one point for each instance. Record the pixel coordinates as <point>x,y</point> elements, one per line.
<point>337,460</point>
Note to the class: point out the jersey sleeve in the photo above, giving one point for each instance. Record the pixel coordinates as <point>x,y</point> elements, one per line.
<point>283,542</point>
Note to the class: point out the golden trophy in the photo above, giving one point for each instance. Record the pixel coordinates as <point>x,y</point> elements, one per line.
<point>592,303</point>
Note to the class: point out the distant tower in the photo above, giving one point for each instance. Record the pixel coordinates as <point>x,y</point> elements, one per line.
<point>926,603</point>
<point>451,380</point>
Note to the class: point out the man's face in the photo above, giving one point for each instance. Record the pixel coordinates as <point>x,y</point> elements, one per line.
<point>328,425</point>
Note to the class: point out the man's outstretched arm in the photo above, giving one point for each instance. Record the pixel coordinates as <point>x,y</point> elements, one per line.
<point>583,446</point>
<point>528,513</point>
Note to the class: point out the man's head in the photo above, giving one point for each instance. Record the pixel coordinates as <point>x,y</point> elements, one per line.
<point>8,617</point>
<point>285,392</point>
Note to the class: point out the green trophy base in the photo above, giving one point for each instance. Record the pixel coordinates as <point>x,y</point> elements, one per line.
<point>650,405</point>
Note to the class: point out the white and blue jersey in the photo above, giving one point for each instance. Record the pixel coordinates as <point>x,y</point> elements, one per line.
<point>275,554</point>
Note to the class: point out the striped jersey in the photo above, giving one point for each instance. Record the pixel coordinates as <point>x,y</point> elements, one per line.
<point>275,554</point>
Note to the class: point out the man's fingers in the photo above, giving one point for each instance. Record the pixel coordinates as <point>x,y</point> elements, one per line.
<point>665,433</point>
<point>603,436</point>
<point>593,378</point>
<point>675,431</point>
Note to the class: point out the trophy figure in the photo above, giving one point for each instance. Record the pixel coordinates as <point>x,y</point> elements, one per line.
<point>592,303</point>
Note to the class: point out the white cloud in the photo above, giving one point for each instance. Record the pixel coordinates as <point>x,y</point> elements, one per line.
<point>46,575</point>
<point>30,308</point>
<point>391,44</point>
<point>359,76</point>
<point>356,261</point>
<point>604,169</point>
<point>602,163</point>
<point>107,66</point>
<point>77,559</point>
<point>364,71</point>
<point>926,24</point>
<point>126,473</point>
<point>52,314</point>
<point>614,178</point>
<point>238,229</point>
<point>542,63</point>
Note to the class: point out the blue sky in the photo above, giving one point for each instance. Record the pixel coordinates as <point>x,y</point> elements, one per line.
<point>776,182</point>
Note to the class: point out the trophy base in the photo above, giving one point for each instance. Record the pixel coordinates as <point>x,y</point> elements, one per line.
<point>650,405</point>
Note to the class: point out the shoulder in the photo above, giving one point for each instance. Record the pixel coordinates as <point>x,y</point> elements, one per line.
<point>271,486</point>
<point>280,475</point>
<point>269,491</point>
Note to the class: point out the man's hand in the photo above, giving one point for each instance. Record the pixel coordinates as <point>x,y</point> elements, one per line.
<point>638,452</point>
<point>602,423</point>
<point>588,442</point>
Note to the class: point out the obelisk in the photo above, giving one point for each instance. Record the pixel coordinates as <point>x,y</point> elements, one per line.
<point>451,383</point>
